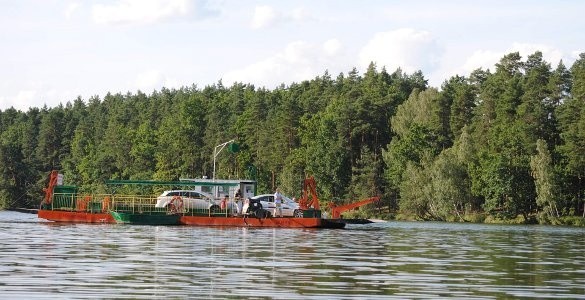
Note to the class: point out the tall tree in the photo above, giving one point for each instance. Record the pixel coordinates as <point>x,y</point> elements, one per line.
<point>192,122</point>
<point>571,115</point>
<point>544,177</point>
<point>461,95</point>
<point>50,148</point>
<point>500,175</point>
<point>13,173</point>
<point>326,157</point>
<point>535,114</point>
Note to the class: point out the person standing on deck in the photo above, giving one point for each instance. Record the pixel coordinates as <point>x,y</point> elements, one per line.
<point>278,203</point>
<point>224,202</point>
<point>239,202</point>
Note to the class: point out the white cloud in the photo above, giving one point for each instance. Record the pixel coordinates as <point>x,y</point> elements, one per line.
<point>487,59</point>
<point>71,9</point>
<point>298,61</point>
<point>21,101</point>
<point>140,11</point>
<point>404,48</point>
<point>332,47</point>
<point>264,16</point>
<point>153,80</point>
<point>24,99</point>
<point>26,96</point>
<point>300,14</point>
<point>549,54</point>
<point>456,10</point>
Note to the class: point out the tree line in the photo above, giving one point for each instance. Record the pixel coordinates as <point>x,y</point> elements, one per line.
<point>502,145</point>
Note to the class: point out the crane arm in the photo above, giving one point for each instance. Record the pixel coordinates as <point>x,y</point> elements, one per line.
<point>336,210</point>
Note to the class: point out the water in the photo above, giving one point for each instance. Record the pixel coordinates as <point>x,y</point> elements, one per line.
<point>401,260</point>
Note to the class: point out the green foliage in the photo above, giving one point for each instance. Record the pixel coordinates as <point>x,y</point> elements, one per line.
<point>420,131</point>
<point>366,180</point>
<point>571,148</point>
<point>571,221</point>
<point>416,192</point>
<point>409,148</point>
<point>544,177</point>
<point>460,97</point>
<point>440,188</point>
<point>488,146</point>
<point>326,158</point>
<point>501,180</point>
<point>578,73</point>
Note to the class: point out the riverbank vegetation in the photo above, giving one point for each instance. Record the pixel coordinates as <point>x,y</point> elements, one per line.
<point>506,145</point>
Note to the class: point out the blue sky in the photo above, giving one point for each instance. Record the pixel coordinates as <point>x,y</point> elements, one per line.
<point>52,51</point>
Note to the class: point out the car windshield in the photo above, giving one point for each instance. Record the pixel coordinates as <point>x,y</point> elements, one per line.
<point>195,195</point>
<point>189,194</point>
<point>270,198</point>
<point>286,199</point>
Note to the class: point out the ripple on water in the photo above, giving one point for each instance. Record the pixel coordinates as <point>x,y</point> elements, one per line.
<point>382,260</point>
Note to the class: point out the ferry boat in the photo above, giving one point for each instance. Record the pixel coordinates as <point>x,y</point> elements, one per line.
<point>63,203</point>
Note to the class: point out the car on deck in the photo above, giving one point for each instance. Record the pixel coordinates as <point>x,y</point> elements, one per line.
<point>289,207</point>
<point>192,200</point>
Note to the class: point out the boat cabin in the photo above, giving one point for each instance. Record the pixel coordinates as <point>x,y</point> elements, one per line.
<point>221,187</point>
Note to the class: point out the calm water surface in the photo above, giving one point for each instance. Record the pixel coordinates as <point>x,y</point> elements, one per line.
<point>404,260</point>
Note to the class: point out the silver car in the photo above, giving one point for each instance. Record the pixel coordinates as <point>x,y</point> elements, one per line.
<point>190,199</point>
<point>289,207</point>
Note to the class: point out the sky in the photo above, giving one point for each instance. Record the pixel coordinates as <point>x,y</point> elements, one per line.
<point>54,51</point>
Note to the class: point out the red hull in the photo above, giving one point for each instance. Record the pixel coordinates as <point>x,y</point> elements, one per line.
<point>83,217</point>
<point>75,216</point>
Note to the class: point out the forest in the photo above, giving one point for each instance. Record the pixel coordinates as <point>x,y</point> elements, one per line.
<point>506,145</point>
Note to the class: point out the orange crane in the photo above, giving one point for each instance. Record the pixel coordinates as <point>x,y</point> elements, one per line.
<point>337,210</point>
<point>309,199</point>
<point>309,190</point>
<point>49,189</point>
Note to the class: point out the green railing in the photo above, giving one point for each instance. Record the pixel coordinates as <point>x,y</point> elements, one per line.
<point>129,203</point>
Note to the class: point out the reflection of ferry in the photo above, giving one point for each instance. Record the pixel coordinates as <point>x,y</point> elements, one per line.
<point>62,203</point>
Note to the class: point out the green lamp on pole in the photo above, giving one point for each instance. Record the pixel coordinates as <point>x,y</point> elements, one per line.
<point>232,147</point>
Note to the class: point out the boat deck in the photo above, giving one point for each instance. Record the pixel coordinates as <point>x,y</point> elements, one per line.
<point>98,209</point>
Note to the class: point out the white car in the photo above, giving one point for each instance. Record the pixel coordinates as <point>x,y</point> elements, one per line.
<point>192,200</point>
<point>289,207</point>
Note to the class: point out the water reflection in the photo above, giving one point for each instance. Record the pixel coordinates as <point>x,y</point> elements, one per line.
<point>389,260</point>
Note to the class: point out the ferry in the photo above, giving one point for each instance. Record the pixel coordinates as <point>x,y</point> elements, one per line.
<point>63,203</point>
